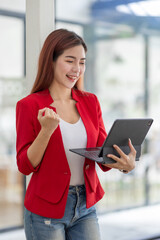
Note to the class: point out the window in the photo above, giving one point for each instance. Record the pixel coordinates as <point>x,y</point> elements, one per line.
<point>11,89</point>
<point>122,68</point>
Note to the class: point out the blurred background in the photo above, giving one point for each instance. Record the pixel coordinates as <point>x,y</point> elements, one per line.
<point>123,70</point>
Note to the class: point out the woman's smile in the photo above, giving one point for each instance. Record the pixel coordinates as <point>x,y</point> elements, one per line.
<point>70,65</point>
<point>72,78</point>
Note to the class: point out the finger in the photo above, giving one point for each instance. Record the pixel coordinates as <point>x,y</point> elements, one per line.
<point>57,117</point>
<point>47,112</point>
<point>41,112</point>
<point>118,162</point>
<point>114,157</point>
<point>54,114</point>
<point>112,165</point>
<point>121,153</point>
<point>133,150</point>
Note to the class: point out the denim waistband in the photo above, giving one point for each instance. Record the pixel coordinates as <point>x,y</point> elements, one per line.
<point>77,188</point>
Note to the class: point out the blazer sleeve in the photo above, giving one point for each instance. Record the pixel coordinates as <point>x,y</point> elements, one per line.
<point>102,132</point>
<point>25,136</point>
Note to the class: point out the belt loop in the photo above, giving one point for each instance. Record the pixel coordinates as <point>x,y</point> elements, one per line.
<point>77,189</point>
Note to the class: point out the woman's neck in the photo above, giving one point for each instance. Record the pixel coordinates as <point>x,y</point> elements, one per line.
<point>60,92</point>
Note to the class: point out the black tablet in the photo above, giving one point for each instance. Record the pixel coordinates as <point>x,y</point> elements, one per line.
<point>120,132</point>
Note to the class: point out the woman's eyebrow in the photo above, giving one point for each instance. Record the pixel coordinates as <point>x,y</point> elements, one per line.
<point>74,57</point>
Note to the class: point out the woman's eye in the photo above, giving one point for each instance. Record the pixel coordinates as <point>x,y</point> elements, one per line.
<point>69,61</point>
<point>82,63</point>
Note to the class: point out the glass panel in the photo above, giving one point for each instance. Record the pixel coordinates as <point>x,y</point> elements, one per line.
<point>11,48</point>
<point>119,74</point>
<point>16,5</point>
<point>11,89</point>
<point>123,71</point>
<point>73,11</point>
<point>120,91</point>
<point>154,167</point>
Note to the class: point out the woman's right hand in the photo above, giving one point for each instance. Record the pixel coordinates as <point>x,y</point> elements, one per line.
<point>48,120</point>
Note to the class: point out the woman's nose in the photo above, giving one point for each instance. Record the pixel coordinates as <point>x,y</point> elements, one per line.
<point>76,68</point>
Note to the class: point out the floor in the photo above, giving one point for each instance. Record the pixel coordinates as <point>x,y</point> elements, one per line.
<point>135,224</point>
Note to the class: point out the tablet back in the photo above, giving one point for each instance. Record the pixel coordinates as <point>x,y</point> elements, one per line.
<point>121,131</point>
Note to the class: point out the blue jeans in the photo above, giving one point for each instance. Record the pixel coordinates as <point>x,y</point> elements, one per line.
<point>78,223</point>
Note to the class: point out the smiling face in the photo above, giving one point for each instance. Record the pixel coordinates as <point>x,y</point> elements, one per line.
<point>69,66</point>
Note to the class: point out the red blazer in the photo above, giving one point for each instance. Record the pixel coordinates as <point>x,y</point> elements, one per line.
<point>47,191</point>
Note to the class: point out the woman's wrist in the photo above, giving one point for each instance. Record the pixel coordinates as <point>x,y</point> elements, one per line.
<point>46,132</point>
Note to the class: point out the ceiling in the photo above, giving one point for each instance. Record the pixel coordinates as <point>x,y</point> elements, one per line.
<point>141,16</point>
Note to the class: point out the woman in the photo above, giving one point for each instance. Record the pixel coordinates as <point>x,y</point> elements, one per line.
<point>56,116</point>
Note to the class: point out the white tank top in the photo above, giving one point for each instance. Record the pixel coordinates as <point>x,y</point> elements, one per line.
<point>74,136</point>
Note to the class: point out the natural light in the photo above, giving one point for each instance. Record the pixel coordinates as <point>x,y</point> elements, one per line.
<point>144,8</point>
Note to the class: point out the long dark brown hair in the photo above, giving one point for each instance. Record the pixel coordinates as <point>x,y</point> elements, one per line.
<point>54,45</point>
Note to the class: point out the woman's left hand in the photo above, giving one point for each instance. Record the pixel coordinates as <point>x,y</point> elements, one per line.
<point>124,163</point>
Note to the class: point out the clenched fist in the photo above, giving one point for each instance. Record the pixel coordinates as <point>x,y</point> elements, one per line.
<point>48,120</point>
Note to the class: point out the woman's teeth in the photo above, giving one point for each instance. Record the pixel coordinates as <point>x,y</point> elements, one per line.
<point>71,77</point>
